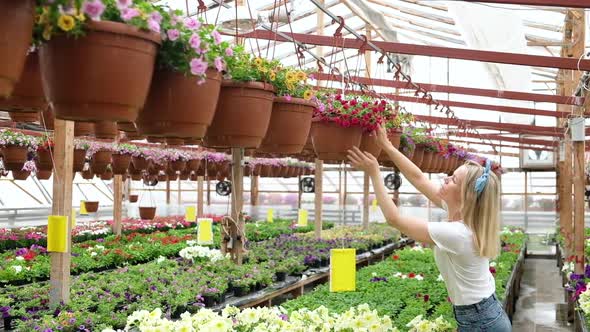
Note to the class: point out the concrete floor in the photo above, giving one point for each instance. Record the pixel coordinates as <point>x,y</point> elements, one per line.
<point>540,305</point>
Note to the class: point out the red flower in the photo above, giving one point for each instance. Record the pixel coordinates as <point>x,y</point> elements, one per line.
<point>426,298</point>
<point>412,275</point>
<point>492,270</point>
<point>395,257</point>
<point>29,256</point>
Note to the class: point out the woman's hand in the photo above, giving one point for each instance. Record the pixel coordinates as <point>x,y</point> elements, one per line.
<point>363,161</point>
<point>382,139</point>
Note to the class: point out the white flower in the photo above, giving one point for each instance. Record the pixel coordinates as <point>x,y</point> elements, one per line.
<point>440,278</point>
<point>92,254</point>
<point>19,258</point>
<point>17,268</point>
<point>99,247</point>
<point>160,259</point>
<point>492,264</point>
<point>419,277</point>
<point>374,274</point>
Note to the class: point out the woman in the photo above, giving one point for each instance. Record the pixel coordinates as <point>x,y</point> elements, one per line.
<point>464,245</point>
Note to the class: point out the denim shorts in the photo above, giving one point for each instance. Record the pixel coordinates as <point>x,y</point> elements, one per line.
<point>485,316</point>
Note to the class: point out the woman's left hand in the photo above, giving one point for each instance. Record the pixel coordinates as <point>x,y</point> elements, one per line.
<point>363,161</point>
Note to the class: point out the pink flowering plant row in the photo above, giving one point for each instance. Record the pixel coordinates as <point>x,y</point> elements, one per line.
<point>15,138</point>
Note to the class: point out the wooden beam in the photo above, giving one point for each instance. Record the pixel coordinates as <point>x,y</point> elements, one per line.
<point>63,136</point>
<point>167,191</point>
<point>254,190</point>
<point>179,200</point>
<point>237,204</point>
<point>117,204</point>
<point>319,164</point>
<point>200,196</point>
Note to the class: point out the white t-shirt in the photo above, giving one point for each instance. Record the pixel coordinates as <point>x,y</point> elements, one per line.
<point>466,274</point>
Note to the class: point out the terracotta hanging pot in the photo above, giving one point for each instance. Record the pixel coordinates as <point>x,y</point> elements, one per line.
<point>87,174</point>
<point>102,76</point>
<point>242,116</point>
<point>132,137</point>
<point>194,177</point>
<point>44,161</point>
<point>193,164</point>
<point>191,141</point>
<point>133,198</point>
<point>140,163</point>
<point>220,177</point>
<point>152,139</point>
<point>426,160</point>
<point>178,165</point>
<point>46,118</point>
<point>136,176</point>
<point>394,136</point>
<point>100,160</point>
<point>183,176</point>
<point>27,95</point>
<point>20,175</point>
<point>418,156</point>
<point>160,167</point>
<point>91,206</point>
<point>43,174</point>
<point>201,171</point>
<point>83,128</point>
<point>128,127</point>
<point>16,24</point>
<point>173,141</point>
<point>266,171</point>
<point>24,117</point>
<point>14,157</point>
<point>289,126</point>
<point>332,142</point>
<point>79,160</point>
<point>369,144</point>
<point>162,177</point>
<point>178,107</point>
<point>147,213</point>
<point>106,130</point>
<point>107,175</point>
<point>120,163</point>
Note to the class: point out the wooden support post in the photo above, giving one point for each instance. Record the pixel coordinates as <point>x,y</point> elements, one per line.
<point>168,191</point>
<point>117,203</point>
<point>366,203</point>
<point>208,192</point>
<point>254,190</point>
<point>63,151</point>
<point>179,192</point>
<point>237,204</point>
<point>299,192</point>
<point>318,197</point>
<point>200,196</point>
<point>526,200</point>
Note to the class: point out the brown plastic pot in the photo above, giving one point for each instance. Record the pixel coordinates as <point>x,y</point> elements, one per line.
<point>128,127</point>
<point>83,128</point>
<point>426,161</point>
<point>289,126</point>
<point>266,171</point>
<point>331,141</point>
<point>174,141</point>
<point>162,177</point>
<point>183,176</point>
<point>136,176</point>
<point>16,24</point>
<point>133,198</point>
<point>193,164</point>
<point>120,163</point>
<point>43,174</point>
<point>178,165</point>
<point>79,160</point>
<point>194,177</point>
<point>102,76</point>
<point>24,117</point>
<point>242,116</point>
<point>178,107</point>
<point>14,157</point>
<point>140,163</point>
<point>191,141</point>
<point>395,137</point>
<point>27,95</point>
<point>100,160</point>
<point>132,136</point>
<point>87,174</point>
<point>369,144</point>
<point>44,161</point>
<point>107,175</point>
<point>153,139</point>
<point>91,206</point>
<point>20,175</point>
<point>106,130</point>
<point>147,213</point>
<point>418,156</point>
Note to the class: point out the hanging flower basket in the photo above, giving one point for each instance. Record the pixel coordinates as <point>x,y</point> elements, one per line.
<point>191,141</point>
<point>76,82</point>
<point>289,127</point>
<point>174,141</point>
<point>27,95</point>
<point>44,161</point>
<point>369,144</point>
<point>107,175</point>
<point>140,163</point>
<point>79,159</point>
<point>242,116</point>
<point>136,176</point>
<point>178,107</point>
<point>87,174</point>
<point>177,165</point>
<point>128,127</point>
<point>14,157</point>
<point>183,176</point>
<point>106,130</point>
<point>24,117</point>
<point>426,160</point>
<point>43,174</point>
<point>147,213</point>
<point>20,175</point>
<point>332,141</point>
<point>100,160</point>
<point>194,177</point>
<point>91,206</point>
<point>162,177</point>
<point>418,156</point>
<point>193,164</point>
<point>394,137</point>
<point>83,129</point>
<point>133,198</point>
<point>16,24</point>
<point>120,163</point>
<point>153,139</point>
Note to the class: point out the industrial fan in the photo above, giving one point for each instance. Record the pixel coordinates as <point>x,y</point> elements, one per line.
<point>307,184</point>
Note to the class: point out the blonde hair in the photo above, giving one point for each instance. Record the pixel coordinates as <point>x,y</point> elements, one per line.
<point>482,213</point>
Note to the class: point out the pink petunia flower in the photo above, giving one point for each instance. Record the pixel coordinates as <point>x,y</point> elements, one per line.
<point>129,13</point>
<point>153,25</point>
<point>229,51</point>
<point>173,34</point>
<point>123,4</point>
<point>191,23</point>
<point>216,37</point>
<point>288,97</point>
<point>195,42</point>
<point>198,66</point>
<point>219,65</point>
<point>156,16</point>
<point>94,9</point>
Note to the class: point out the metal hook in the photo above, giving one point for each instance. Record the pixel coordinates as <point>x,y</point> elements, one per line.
<point>300,50</point>
<point>380,61</point>
<point>338,32</point>
<point>202,7</point>
<point>363,47</point>
<point>320,68</point>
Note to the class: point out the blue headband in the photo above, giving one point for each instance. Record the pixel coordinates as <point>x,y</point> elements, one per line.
<point>482,181</point>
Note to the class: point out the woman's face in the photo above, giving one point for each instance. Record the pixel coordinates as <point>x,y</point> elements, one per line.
<point>450,191</point>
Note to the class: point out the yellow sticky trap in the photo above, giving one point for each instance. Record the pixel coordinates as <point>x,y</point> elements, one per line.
<point>270,215</point>
<point>190,214</point>
<point>205,231</point>
<point>302,218</point>
<point>83,211</point>
<point>73,219</point>
<point>374,205</point>
<point>57,233</point>
<point>342,270</point>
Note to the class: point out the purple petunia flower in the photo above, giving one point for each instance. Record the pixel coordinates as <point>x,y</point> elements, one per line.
<point>229,51</point>
<point>219,63</point>
<point>191,23</point>
<point>198,66</point>
<point>195,42</point>
<point>587,271</point>
<point>173,34</point>
<point>129,13</point>
<point>122,4</point>
<point>153,25</point>
<point>156,16</point>
<point>94,9</point>
<point>216,37</point>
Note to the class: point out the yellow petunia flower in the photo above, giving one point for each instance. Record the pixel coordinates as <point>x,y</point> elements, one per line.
<point>272,76</point>
<point>80,17</point>
<point>66,22</point>
<point>263,69</point>
<point>302,76</point>
<point>47,32</point>
<point>307,94</point>
<point>291,76</point>
<point>258,62</point>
